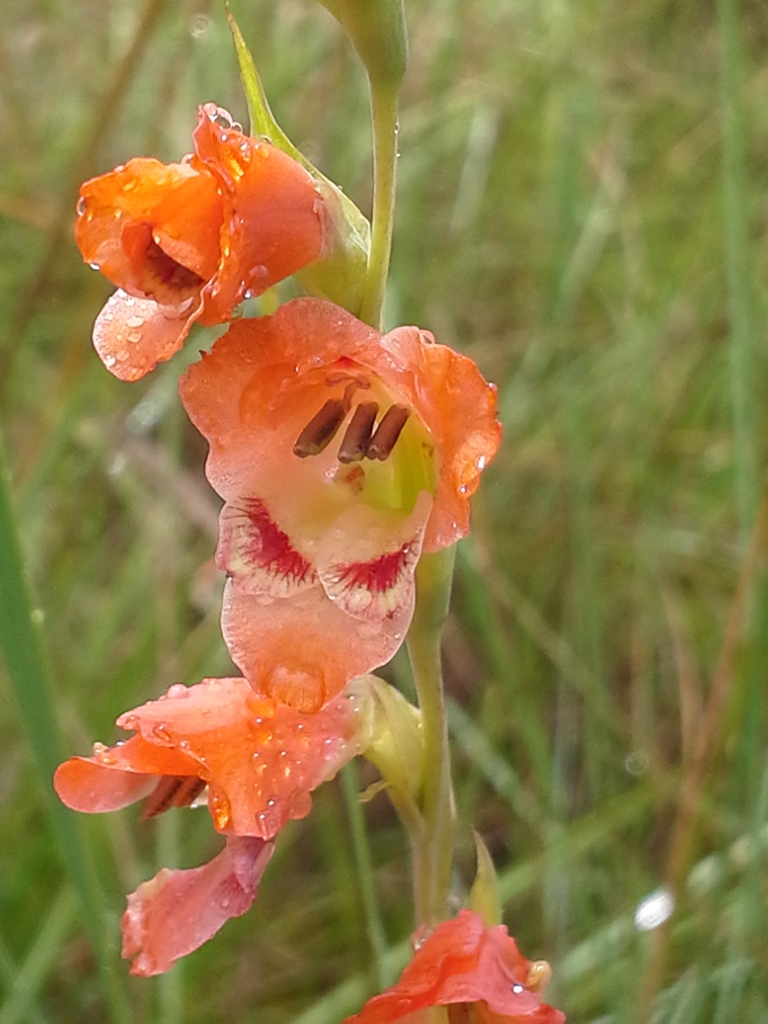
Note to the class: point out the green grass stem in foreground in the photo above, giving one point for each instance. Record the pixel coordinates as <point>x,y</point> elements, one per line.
<point>580,208</point>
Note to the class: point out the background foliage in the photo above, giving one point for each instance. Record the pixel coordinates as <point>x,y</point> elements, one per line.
<point>582,210</point>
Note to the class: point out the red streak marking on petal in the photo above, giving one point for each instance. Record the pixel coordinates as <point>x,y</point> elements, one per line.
<point>271,549</point>
<point>378,576</point>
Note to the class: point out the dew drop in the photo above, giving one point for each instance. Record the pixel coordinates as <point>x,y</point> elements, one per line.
<point>224,902</point>
<point>220,811</point>
<point>134,337</point>
<point>161,732</point>
<point>178,690</point>
<point>103,754</point>
<point>94,266</point>
<point>82,205</point>
<point>481,462</point>
<point>135,321</point>
<point>109,360</point>
<point>517,988</point>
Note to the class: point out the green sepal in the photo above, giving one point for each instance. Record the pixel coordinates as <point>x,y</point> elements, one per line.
<point>339,275</point>
<point>484,894</point>
<point>378,33</point>
<point>396,746</point>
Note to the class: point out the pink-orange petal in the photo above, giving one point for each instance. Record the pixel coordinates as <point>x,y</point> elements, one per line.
<point>133,335</point>
<point>254,550</point>
<point>177,911</point>
<point>233,390</point>
<point>366,562</point>
<point>260,758</point>
<point>179,203</point>
<point>308,666</point>
<point>463,962</point>
<point>117,776</point>
<point>273,215</point>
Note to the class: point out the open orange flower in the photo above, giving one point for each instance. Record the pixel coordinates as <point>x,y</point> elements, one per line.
<point>187,242</point>
<point>341,454</point>
<point>259,761</point>
<point>477,973</point>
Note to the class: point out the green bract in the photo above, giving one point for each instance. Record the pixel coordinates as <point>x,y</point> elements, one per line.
<point>339,275</point>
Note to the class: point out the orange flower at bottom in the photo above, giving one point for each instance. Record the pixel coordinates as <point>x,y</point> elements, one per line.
<point>477,973</point>
<point>259,761</point>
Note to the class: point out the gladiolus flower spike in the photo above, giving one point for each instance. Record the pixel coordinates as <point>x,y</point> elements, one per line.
<point>189,241</point>
<point>477,973</point>
<point>341,454</point>
<point>259,761</point>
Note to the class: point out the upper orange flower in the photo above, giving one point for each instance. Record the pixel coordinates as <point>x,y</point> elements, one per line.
<point>187,242</point>
<point>477,973</point>
<point>259,761</point>
<point>340,454</point>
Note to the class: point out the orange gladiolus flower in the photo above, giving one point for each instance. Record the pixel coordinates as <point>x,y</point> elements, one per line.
<point>341,454</point>
<point>189,241</point>
<point>259,761</point>
<point>478,975</point>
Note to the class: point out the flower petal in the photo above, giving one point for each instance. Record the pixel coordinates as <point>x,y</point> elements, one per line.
<point>260,759</point>
<point>273,220</point>
<point>177,911</point>
<point>308,665</point>
<point>133,335</point>
<point>179,204</point>
<point>258,554</point>
<point>367,560</point>
<point>117,776</point>
<point>236,397</point>
<point>463,962</point>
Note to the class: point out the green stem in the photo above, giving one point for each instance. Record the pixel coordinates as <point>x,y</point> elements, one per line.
<point>433,850</point>
<point>365,874</point>
<point>385,99</point>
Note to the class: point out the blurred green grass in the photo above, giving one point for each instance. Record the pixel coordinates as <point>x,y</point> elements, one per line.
<point>582,210</point>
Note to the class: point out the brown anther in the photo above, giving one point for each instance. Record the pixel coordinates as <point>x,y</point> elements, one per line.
<point>355,442</point>
<point>389,429</point>
<point>321,429</point>
<point>172,791</point>
<point>460,1013</point>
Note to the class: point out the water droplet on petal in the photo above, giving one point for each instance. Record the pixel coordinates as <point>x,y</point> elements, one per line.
<point>518,988</point>
<point>94,266</point>
<point>135,321</point>
<point>82,205</point>
<point>103,754</point>
<point>162,732</point>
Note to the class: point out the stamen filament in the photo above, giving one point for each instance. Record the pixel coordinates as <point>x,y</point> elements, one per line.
<point>387,432</point>
<point>354,444</point>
